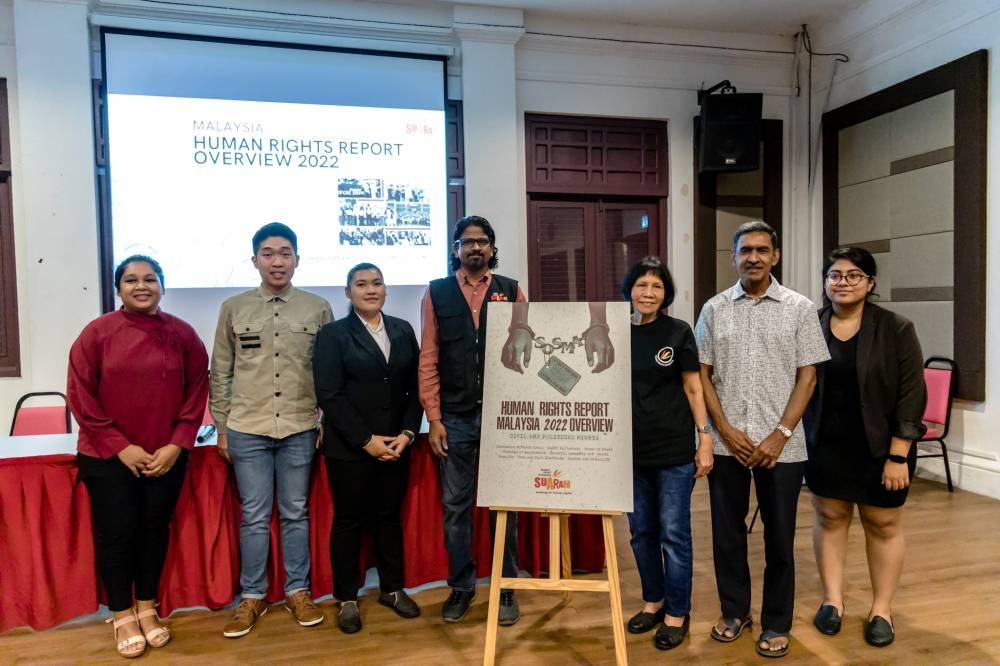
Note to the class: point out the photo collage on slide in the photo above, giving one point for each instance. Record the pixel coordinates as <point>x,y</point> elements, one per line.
<point>373,212</point>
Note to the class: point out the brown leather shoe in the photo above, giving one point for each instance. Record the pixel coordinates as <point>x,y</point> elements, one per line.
<point>245,617</point>
<point>304,609</point>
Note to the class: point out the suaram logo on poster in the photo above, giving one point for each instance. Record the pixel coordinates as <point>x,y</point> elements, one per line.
<point>551,480</point>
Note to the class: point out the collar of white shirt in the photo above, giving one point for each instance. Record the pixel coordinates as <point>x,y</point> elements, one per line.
<point>773,291</point>
<point>378,329</point>
<point>379,334</point>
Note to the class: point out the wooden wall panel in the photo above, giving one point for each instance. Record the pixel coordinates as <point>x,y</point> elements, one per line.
<point>596,156</point>
<point>10,347</point>
<point>967,77</point>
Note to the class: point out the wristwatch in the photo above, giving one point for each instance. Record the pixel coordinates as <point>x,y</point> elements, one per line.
<point>896,458</point>
<point>408,433</point>
<point>704,429</point>
<point>783,430</point>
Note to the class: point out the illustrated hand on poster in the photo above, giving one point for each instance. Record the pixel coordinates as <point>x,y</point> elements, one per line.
<point>520,337</point>
<point>516,352</point>
<point>596,342</point>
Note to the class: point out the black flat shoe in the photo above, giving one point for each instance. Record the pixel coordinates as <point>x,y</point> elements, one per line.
<point>879,632</point>
<point>457,605</point>
<point>667,638</point>
<point>642,622</point>
<point>401,603</point>
<point>827,620</point>
<point>349,620</point>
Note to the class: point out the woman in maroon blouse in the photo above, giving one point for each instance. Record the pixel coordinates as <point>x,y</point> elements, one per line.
<point>137,385</point>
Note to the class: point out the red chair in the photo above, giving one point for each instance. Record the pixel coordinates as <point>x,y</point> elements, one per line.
<point>940,383</point>
<point>51,420</point>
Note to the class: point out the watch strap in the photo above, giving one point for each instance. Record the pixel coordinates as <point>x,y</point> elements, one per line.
<point>896,458</point>
<point>783,430</point>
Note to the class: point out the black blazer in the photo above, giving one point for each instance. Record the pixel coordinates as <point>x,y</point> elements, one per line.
<point>359,392</point>
<point>891,385</point>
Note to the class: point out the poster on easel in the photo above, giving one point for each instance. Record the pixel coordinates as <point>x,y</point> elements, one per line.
<point>557,408</point>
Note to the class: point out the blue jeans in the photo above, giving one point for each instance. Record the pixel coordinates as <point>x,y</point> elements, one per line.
<point>661,534</point>
<point>458,495</point>
<point>259,462</point>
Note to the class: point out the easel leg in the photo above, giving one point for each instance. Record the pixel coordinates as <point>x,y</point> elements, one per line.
<point>617,619</point>
<point>492,617</point>
<point>555,525</point>
<point>567,560</point>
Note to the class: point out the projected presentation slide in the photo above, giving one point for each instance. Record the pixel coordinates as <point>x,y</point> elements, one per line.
<point>210,140</point>
<point>192,179</point>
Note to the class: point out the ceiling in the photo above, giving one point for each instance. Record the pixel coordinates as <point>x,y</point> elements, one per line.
<point>769,17</point>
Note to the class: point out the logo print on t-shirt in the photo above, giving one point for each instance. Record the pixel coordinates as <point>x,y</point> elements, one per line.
<point>665,356</point>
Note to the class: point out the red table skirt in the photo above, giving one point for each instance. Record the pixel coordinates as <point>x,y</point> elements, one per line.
<point>48,574</point>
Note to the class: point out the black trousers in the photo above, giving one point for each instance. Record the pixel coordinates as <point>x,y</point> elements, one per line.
<point>367,496</point>
<point>778,497</point>
<point>131,519</point>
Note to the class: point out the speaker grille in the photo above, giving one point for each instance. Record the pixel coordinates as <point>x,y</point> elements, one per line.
<point>730,132</point>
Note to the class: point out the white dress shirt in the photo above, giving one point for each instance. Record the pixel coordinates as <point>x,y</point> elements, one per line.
<point>379,334</point>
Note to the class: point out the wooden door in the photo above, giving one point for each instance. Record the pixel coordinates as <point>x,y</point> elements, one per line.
<point>580,250</point>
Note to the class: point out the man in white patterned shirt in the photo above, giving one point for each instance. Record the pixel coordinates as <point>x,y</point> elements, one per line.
<point>758,343</point>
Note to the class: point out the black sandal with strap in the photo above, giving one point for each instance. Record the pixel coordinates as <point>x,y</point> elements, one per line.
<point>733,624</point>
<point>769,635</point>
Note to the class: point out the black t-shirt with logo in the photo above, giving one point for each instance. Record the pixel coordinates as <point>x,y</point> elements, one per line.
<point>663,428</point>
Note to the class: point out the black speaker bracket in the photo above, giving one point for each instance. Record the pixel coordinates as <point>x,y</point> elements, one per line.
<point>725,86</point>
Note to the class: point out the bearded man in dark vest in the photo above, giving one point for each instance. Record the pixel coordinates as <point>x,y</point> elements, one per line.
<point>453,344</point>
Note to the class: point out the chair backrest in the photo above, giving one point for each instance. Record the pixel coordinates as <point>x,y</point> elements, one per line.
<point>49,420</point>
<point>940,383</point>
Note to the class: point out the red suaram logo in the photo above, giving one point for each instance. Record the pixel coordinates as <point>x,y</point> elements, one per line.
<point>498,297</point>
<point>552,481</point>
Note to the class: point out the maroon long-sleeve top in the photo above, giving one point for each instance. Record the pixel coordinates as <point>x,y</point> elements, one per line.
<point>137,379</point>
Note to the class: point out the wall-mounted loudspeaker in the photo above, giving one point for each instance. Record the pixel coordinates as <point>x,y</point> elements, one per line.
<point>730,132</point>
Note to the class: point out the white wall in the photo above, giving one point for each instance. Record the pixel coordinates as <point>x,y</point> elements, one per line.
<point>44,54</point>
<point>889,41</point>
<point>499,67</point>
<point>53,185</point>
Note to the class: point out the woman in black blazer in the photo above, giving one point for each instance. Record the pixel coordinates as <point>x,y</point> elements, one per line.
<point>365,369</point>
<point>860,426</point>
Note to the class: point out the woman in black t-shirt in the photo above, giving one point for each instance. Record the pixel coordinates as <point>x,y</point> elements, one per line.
<point>667,405</point>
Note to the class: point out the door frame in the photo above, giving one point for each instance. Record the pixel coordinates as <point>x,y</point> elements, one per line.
<point>706,204</point>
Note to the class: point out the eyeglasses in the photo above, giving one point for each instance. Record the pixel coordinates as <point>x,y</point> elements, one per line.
<point>469,243</point>
<point>853,278</point>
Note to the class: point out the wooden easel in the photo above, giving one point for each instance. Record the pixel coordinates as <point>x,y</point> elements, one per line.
<point>559,575</point>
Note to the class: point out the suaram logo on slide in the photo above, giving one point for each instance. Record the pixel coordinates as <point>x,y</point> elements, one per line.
<point>551,480</point>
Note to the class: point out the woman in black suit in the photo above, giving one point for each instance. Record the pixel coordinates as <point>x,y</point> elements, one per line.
<point>860,426</point>
<point>365,369</point>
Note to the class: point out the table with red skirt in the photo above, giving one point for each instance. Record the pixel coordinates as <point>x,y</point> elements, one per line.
<point>48,573</point>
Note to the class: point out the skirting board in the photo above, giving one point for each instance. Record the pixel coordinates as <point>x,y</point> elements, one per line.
<point>975,475</point>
